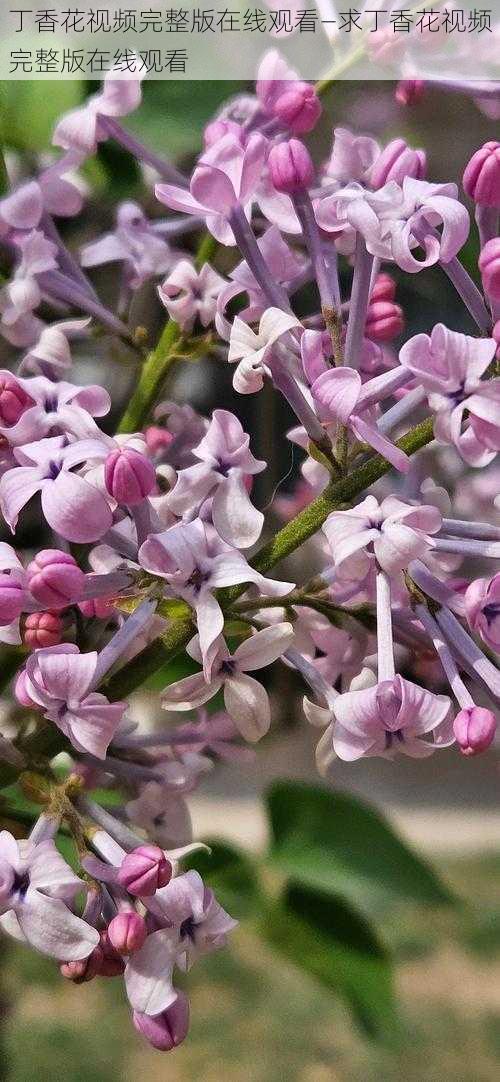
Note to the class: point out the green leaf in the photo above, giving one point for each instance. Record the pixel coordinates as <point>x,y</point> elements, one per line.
<point>334,842</point>
<point>323,935</point>
<point>231,874</point>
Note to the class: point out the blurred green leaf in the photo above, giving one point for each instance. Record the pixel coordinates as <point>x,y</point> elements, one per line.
<point>30,110</point>
<point>173,114</point>
<point>333,842</point>
<point>324,936</point>
<point>232,875</point>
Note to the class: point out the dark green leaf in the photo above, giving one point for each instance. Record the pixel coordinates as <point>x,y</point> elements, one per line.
<point>323,935</point>
<point>336,843</point>
<point>231,874</point>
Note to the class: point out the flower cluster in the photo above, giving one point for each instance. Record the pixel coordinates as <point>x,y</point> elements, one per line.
<point>153,532</point>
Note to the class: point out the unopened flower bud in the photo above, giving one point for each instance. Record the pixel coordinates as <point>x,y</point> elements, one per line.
<point>474,729</point>
<point>489,265</point>
<point>42,629</point>
<point>129,476</point>
<point>13,401</point>
<point>384,321</point>
<point>55,579</point>
<point>396,162</point>
<point>11,598</point>
<point>298,107</point>
<point>410,91</point>
<point>112,962</point>
<point>99,608</point>
<point>384,288</point>
<point>144,870</point>
<point>481,179</point>
<point>127,932</point>
<point>166,1030</point>
<point>85,969</point>
<point>290,166</point>
<point>158,439</point>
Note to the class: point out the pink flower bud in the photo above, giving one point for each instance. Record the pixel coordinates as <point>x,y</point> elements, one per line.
<point>11,598</point>
<point>144,870</point>
<point>384,288</point>
<point>481,179</point>
<point>167,1030</point>
<point>396,162</point>
<point>85,969</point>
<point>298,107</point>
<point>290,166</point>
<point>99,608</point>
<point>42,629</point>
<point>21,693</point>
<point>489,265</point>
<point>55,579</point>
<point>13,401</point>
<point>157,439</point>
<point>474,729</point>
<point>384,321</point>
<point>410,91</point>
<point>129,476</point>
<point>127,932</point>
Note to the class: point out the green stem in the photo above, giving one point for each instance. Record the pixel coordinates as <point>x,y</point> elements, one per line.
<point>151,378</point>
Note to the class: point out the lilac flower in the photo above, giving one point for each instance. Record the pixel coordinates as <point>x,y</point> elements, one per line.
<point>226,176</point>
<point>162,812</point>
<point>60,407</point>
<point>53,191</point>
<point>194,563</point>
<point>51,353</point>
<point>36,889</point>
<point>250,349</point>
<point>60,679</point>
<point>284,265</point>
<point>198,925</point>
<point>342,397</point>
<point>396,220</point>
<point>351,159</point>
<point>389,716</point>
<point>225,464</point>
<point>482,606</point>
<point>246,701</point>
<point>393,533</point>
<point>20,297</point>
<point>284,96</point>
<point>136,242</point>
<point>189,294</point>
<point>74,508</point>
<point>450,366</point>
<point>82,129</point>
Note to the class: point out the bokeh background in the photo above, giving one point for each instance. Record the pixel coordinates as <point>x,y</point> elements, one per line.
<point>255,1017</point>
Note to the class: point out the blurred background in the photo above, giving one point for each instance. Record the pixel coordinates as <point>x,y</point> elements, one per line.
<point>255,1017</point>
